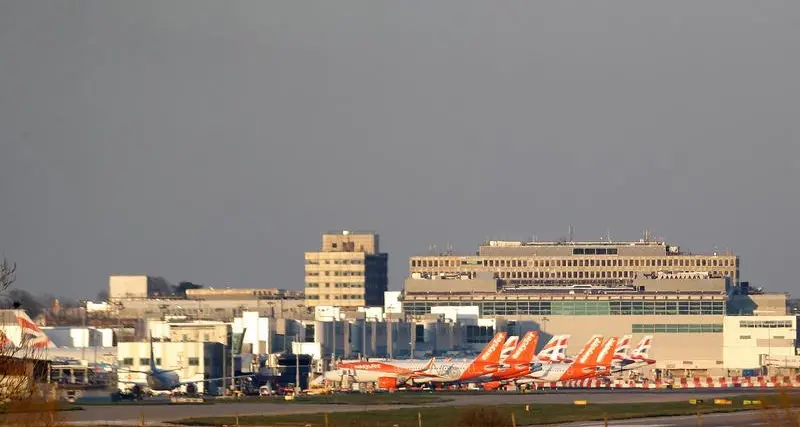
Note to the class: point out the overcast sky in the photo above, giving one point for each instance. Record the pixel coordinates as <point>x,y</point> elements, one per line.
<point>213,141</point>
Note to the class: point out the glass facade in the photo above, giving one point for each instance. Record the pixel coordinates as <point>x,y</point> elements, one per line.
<point>576,308</point>
<point>676,328</point>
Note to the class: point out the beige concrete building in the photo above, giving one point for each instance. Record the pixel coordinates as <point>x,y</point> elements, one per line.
<point>348,271</point>
<point>136,287</point>
<point>555,264</point>
<point>751,341</point>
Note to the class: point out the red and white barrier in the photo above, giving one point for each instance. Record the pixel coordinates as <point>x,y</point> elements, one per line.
<point>681,383</point>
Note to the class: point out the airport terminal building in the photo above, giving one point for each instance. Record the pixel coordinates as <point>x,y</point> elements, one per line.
<point>625,288</point>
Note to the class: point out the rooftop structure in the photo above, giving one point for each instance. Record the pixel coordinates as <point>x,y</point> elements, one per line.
<point>249,293</point>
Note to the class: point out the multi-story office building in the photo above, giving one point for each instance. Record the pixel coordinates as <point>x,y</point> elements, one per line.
<point>555,264</point>
<point>348,271</point>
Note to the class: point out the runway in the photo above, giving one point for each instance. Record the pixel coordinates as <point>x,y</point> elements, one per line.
<point>130,414</point>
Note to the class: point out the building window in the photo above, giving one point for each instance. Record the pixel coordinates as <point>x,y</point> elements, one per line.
<point>128,361</point>
<point>144,361</point>
<point>194,361</point>
<point>676,328</point>
<point>744,337</point>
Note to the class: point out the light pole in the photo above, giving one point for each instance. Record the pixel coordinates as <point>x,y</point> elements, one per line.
<point>296,367</point>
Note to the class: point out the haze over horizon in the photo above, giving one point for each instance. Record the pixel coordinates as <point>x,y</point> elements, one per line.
<point>214,142</point>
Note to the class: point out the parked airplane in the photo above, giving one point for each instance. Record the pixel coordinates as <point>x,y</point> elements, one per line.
<point>565,371</point>
<point>638,357</point>
<point>168,380</point>
<point>416,371</point>
<point>478,370</point>
<point>363,371</point>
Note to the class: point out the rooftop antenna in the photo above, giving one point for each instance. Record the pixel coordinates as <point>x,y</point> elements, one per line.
<point>570,234</point>
<point>608,234</point>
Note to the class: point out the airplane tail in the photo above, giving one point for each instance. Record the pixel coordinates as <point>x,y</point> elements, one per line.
<point>509,346</point>
<point>560,352</point>
<point>490,356</point>
<point>549,351</point>
<point>152,355</point>
<point>32,336</point>
<point>622,348</point>
<point>427,365</point>
<point>606,354</point>
<point>525,350</point>
<point>641,350</point>
<point>589,352</point>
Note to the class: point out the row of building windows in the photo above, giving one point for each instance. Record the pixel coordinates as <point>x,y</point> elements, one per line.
<point>335,273</point>
<point>337,297</point>
<point>334,285</point>
<point>576,308</point>
<point>765,324</point>
<point>594,251</point>
<point>335,261</point>
<point>676,329</point>
<point>145,361</point>
<point>590,262</point>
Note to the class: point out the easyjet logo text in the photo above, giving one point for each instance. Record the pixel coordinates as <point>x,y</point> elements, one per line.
<point>492,347</point>
<point>523,345</point>
<point>590,350</point>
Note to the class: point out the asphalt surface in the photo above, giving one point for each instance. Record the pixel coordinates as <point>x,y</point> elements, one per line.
<point>735,419</point>
<point>129,414</point>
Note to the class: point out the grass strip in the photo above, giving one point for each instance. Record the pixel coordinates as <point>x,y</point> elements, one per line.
<point>536,414</point>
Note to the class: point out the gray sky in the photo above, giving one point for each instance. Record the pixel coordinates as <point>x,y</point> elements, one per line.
<point>214,141</point>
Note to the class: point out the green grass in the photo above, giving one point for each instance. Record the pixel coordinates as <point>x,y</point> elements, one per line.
<point>449,416</point>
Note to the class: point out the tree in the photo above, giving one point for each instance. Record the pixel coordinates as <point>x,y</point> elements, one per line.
<point>182,287</point>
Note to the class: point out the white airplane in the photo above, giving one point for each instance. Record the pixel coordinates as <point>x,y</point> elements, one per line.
<point>167,380</point>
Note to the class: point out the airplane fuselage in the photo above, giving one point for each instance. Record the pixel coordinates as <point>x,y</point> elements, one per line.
<point>159,380</point>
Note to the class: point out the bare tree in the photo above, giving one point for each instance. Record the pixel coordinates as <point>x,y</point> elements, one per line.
<point>8,275</point>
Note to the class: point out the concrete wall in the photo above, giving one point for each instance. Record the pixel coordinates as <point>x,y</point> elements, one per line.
<point>682,285</point>
<point>120,287</point>
<point>450,285</point>
<point>679,352</point>
<point>223,310</point>
<point>69,336</point>
<point>759,305</point>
